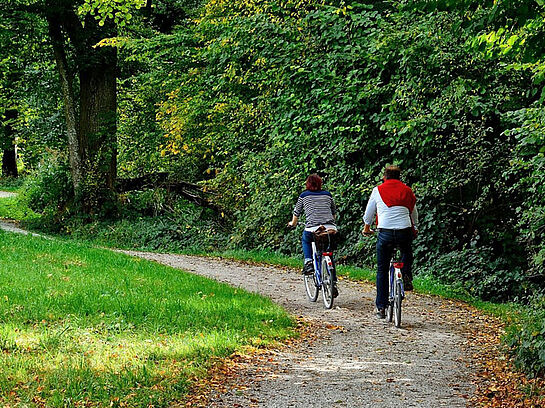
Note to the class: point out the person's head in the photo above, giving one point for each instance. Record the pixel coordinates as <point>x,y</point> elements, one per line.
<point>314,182</point>
<point>392,172</point>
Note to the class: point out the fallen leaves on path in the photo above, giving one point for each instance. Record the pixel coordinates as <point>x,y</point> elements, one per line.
<point>227,375</point>
<point>498,384</point>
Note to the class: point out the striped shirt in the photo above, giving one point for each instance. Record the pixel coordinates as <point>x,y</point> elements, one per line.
<point>318,206</point>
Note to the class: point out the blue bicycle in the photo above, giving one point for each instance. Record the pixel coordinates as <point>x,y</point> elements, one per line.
<point>324,270</point>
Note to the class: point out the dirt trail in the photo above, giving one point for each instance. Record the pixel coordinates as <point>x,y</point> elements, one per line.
<point>356,360</point>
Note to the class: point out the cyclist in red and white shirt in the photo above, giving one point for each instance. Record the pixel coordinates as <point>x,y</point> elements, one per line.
<point>394,204</point>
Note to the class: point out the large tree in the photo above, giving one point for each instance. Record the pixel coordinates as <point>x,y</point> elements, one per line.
<point>88,76</point>
<point>91,112</point>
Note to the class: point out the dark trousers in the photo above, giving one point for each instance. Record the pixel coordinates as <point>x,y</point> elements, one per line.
<point>387,241</point>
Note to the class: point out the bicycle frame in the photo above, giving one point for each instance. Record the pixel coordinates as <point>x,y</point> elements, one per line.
<point>396,276</point>
<point>396,292</point>
<point>317,259</point>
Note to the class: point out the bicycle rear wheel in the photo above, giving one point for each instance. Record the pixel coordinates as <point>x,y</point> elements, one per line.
<point>311,287</point>
<point>397,304</point>
<point>327,284</point>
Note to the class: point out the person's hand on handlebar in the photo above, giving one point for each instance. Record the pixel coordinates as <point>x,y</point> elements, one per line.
<point>367,231</point>
<point>293,222</point>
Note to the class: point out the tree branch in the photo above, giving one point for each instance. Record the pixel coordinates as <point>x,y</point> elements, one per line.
<point>190,191</point>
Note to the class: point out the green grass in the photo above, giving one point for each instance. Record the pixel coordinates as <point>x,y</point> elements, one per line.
<point>12,208</point>
<point>85,326</point>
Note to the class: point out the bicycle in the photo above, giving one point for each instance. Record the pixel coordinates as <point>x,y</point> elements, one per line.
<point>396,291</point>
<point>323,277</point>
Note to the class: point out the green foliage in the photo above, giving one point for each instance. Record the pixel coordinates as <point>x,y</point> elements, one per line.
<point>12,184</point>
<point>120,11</point>
<point>526,339</point>
<point>479,273</point>
<point>528,166</point>
<point>265,93</point>
<point>46,191</point>
<point>16,209</point>
<point>154,221</point>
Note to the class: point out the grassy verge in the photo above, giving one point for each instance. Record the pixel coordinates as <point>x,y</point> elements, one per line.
<point>10,207</point>
<point>85,326</point>
<point>11,184</point>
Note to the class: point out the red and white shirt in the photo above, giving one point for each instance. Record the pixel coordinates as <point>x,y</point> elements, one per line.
<point>395,205</point>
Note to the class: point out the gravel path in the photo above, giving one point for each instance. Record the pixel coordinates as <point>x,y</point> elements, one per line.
<point>356,360</point>
<point>6,194</point>
<point>11,226</point>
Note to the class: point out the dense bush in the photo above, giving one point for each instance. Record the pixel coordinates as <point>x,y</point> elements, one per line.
<point>155,220</point>
<point>47,189</point>
<point>526,340</point>
<point>265,92</point>
<point>479,272</point>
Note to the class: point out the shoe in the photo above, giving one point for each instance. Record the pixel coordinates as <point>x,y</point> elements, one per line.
<point>381,313</point>
<point>407,284</point>
<point>308,269</point>
<point>335,291</point>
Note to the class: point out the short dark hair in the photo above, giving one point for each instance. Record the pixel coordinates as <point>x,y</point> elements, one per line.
<point>314,182</point>
<point>392,172</point>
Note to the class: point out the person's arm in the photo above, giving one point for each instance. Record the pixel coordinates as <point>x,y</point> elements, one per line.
<point>370,212</point>
<point>293,221</point>
<point>296,212</point>
<point>414,218</point>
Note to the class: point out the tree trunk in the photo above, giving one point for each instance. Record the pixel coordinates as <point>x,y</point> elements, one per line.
<point>9,159</point>
<point>75,150</point>
<point>97,125</point>
<point>92,136</point>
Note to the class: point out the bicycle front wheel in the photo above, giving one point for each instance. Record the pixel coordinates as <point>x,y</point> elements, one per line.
<point>311,287</point>
<point>327,284</point>
<point>397,304</point>
<point>390,310</point>
<point>391,294</point>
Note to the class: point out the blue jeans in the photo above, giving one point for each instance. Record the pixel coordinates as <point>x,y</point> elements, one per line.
<point>308,238</point>
<point>387,241</point>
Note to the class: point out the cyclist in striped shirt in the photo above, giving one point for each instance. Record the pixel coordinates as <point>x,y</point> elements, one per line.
<point>319,209</point>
